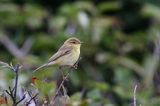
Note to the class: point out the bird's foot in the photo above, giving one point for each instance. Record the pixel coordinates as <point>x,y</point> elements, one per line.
<point>73,66</point>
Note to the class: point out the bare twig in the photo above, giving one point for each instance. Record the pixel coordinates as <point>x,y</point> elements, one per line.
<point>60,86</point>
<point>10,93</point>
<point>65,78</point>
<point>32,98</point>
<point>16,70</point>
<point>135,88</point>
<point>13,92</point>
<point>24,96</point>
<point>19,53</point>
<point>5,65</point>
<point>12,48</point>
<point>27,46</point>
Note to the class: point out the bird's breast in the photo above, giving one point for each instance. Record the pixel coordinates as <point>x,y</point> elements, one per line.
<point>71,58</point>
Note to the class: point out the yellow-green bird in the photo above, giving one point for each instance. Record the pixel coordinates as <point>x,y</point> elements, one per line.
<point>67,55</point>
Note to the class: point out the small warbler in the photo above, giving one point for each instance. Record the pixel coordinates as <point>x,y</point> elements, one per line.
<point>67,55</point>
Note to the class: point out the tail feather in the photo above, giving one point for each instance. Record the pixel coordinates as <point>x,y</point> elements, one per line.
<point>40,67</point>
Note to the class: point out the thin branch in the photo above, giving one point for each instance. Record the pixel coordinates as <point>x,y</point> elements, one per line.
<point>27,46</point>
<point>10,93</point>
<point>19,53</point>
<point>60,86</point>
<point>12,48</point>
<point>5,65</point>
<point>24,96</point>
<point>32,98</point>
<point>135,88</point>
<point>16,69</point>
<point>65,78</point>
<point>30,95</point>
<point>13,92</point>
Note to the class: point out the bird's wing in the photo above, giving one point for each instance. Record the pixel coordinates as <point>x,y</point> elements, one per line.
<point>61,52</point>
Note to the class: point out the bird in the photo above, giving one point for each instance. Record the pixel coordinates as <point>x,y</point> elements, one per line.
<point>67,55</point>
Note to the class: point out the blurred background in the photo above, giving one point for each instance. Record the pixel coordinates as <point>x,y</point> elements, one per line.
<point>121,47</point>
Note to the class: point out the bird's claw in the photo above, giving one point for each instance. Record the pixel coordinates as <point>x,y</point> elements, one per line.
<point>74,66</point>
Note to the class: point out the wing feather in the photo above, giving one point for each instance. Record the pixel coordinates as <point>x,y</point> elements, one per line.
<point>61,52</point>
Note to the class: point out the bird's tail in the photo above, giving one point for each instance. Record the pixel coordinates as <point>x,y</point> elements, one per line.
<point>44,65</point>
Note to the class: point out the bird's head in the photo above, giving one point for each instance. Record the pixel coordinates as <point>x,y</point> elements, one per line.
<point>75,42</point>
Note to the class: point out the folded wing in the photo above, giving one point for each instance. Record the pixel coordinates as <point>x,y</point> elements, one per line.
<point>61,52</point>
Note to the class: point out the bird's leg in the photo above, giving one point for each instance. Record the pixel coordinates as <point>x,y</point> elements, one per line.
<point>76,64</point>
<point>72,66</point>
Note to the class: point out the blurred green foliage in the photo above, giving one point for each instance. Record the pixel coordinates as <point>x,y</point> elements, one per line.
<point>118,52</point>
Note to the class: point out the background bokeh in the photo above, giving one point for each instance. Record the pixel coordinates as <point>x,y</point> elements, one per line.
<point>120,50</point>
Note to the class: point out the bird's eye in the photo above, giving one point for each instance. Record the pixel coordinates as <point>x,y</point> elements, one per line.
<point>73,42</point>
